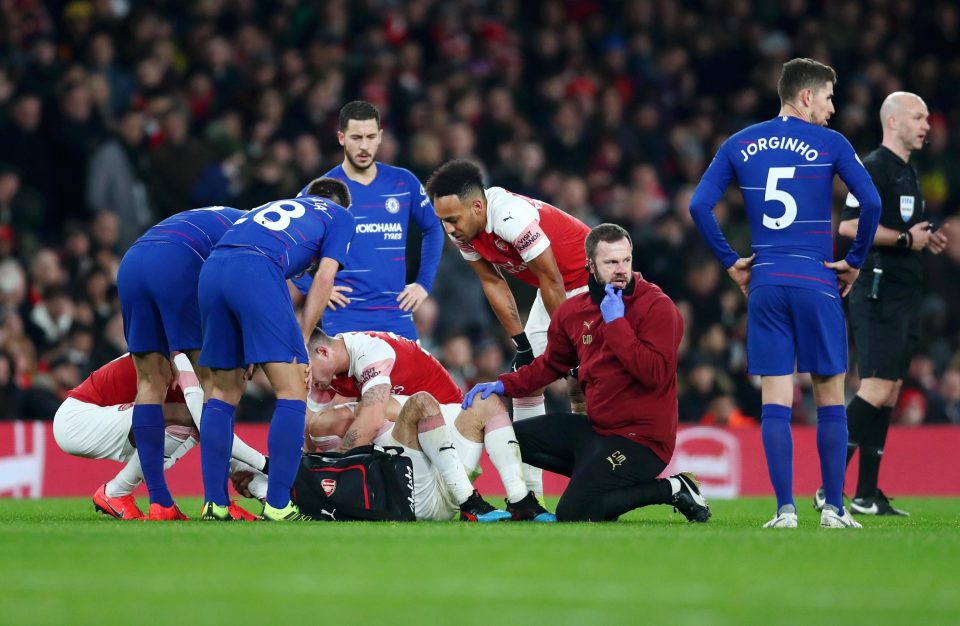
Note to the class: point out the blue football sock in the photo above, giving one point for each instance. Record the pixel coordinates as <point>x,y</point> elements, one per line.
<point>148,433</point>
<point>216,445</point>
<point>832,447</point>
<point>285,445</point>
<point>778,447</point>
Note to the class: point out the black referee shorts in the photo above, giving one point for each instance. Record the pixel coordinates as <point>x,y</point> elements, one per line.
<point>886,330</point>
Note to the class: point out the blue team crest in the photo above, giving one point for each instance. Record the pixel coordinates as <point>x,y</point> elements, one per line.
<point>906,207</point>
<point>392,205</point>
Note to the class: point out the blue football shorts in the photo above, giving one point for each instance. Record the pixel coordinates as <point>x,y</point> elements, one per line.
<point>794,326</point>
<point>157,283</point>
<point>246,312</point>
<point>390,319</point>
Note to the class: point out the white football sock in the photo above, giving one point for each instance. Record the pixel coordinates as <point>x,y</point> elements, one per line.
<point>193,396</point>
<point>130,477</point>
<point>501,444</point>
<point>437,445</point>
<point>243,452</point>
<point>524,408</point>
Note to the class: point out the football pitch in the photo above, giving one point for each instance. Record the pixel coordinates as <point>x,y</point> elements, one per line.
<point>60,563</point>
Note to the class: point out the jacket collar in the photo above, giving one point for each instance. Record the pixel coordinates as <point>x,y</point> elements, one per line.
<point>597,294</point>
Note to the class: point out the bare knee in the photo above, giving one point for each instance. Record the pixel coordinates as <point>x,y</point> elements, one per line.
<point>828,390</point>
<point>226,386</point>
<point>472,422</point>
<point>154,375</point>
<point>177,415</point>
<point>419,406</point>
<point>879,392</point>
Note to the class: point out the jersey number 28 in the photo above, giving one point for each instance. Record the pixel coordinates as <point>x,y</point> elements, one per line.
<point>280,212</point>
<point>778,195</point>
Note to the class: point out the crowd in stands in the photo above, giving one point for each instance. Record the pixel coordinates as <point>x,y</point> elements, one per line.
<point>117,113</point>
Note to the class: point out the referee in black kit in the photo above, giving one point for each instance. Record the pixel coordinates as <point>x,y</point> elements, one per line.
<point>884,301</point>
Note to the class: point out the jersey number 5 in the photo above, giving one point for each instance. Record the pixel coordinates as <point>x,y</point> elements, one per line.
<point>281,213</point>
<point>778,195</point>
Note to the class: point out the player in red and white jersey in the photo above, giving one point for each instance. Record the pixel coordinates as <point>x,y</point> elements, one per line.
<point>96,418</point>
<point>444,443</point>
<point>350,364</point>
<point>499,231</point>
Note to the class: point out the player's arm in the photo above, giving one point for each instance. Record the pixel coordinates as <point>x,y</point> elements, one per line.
<point>709,190</point>
<point>557,360</point>
<point>431,247</point>
<point>552,289</point>
<point>371,412</point>
<point>861,186</point>
<point>498,294</point>
<point>648,349</point>
<point>318,296</point>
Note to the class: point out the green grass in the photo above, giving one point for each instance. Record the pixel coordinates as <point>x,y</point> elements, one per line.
<point>62,564</point>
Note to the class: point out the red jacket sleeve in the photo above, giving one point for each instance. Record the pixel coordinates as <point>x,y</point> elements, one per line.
<point>647,346</point>
<point>559,358</point>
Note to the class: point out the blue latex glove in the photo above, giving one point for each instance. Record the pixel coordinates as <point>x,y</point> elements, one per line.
<point>612,304</point>
<point>485,390</point>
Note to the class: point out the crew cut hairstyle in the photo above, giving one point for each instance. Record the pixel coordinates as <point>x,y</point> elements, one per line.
<point>799,74</point>
<point>608,233</point>
<point>318,337</point>
<point>330,188</point>
<point>358,110</point>
<point>459,178</point>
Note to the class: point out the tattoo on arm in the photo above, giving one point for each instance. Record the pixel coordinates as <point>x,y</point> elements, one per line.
<point>514,313</point>
<point>377,394</point>
<point>349,440</point>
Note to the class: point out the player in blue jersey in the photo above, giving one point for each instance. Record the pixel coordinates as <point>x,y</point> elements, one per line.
<point>785,169</point>
<point>157,283</point>
<point>248,318</point>
<point>371,291</point>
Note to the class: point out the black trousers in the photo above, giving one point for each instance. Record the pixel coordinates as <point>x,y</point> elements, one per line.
<point>609,475</point>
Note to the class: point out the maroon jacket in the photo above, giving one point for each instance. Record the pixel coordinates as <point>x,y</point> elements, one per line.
<point>628,368</point>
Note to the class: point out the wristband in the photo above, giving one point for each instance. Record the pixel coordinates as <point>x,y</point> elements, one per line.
<point>521,341</point>
<point>905,239</point>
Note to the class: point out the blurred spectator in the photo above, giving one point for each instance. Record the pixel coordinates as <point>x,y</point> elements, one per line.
<point>116,179</point>
<point>175,166</point>
<point>22,143</point>
<point>51,318</point>
<point>49,390</point>
<point>946,405</point>
<point>9,392</point>
<point>457,357</point>
<point>22,210</point>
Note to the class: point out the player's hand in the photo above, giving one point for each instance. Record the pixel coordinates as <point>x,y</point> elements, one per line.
<point>938,240</point>
<point>611,307</point>
<point>485,390</point>
<point>740,272</point>
<point>524,354</point>
<point>337,298</point>
<point>846,275</point>
<point>412,297</point>
<point>250,371</point>
<point>921,235</point>
<point>241,482</point>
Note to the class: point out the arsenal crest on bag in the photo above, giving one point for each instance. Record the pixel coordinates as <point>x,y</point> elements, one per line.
<point>367,483</point>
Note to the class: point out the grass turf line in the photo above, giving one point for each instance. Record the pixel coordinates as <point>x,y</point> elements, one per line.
<point>62,563</point>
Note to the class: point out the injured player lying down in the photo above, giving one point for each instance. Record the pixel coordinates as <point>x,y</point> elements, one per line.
<point>444,442</point>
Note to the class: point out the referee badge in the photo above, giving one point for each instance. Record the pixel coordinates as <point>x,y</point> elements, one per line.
<point>906,207</point>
